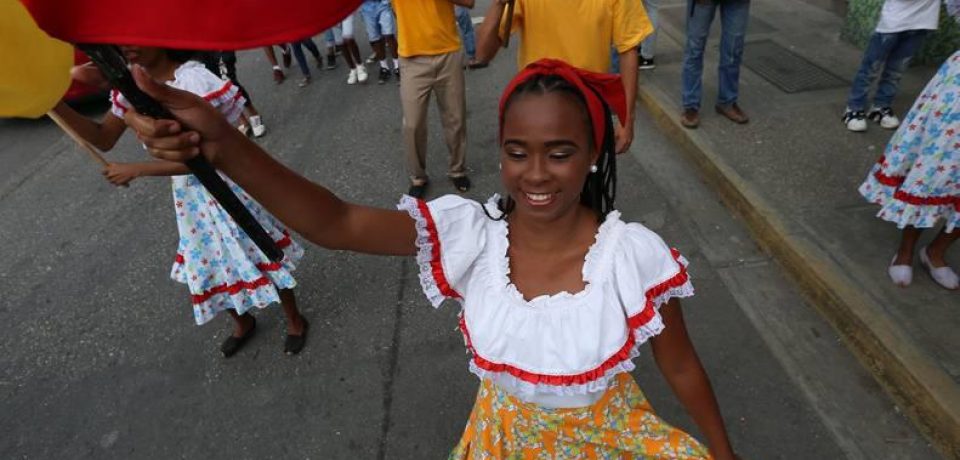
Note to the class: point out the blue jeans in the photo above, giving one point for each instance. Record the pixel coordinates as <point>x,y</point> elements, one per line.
<point>465,24</point>
<point>734,15</point>
<point>892,53</point>
<point>297,48</point>
<point>648,47</point>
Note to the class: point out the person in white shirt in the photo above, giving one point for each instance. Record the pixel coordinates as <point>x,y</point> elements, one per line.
<point>900,32</point>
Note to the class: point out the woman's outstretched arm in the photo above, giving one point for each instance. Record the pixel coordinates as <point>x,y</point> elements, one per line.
<point>308,208</point>
<point>680,365</point>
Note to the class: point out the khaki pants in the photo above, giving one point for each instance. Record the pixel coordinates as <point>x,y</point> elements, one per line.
<point>443,75</point>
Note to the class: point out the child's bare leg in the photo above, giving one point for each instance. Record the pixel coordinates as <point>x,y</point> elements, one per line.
<point>271,55</point>
<point>908,242</point>
<point>391,41</point>
<point>378,49</point>
<point>351,53</point>
<point>937,249</point>
<point>294,320</point>
<point>241,323</point>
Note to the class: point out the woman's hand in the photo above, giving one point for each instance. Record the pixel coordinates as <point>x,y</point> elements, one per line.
<point>198,126</point>
<point>121,174</point>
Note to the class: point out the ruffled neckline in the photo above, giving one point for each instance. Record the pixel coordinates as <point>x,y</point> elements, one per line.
<point>591,261</point>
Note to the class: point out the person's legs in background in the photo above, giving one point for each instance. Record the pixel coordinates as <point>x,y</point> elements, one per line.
<point>278,76</point>
<point>901,52</point>
<point>734,17</point>
<point>297,48</point>
<point>452,102</point>
<point>648,47</point>
<point>330,40</point>
<point>415,88</point>
<point>698,28</point>
<point>855,117</point>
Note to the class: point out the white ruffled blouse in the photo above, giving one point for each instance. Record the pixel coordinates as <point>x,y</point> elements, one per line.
<point>192,76</point>
<point>559,350</point>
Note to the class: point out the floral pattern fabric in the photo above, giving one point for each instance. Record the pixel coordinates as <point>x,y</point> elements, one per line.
<point>621,425</point>
<point>917,180</point>
<point>218,261</point>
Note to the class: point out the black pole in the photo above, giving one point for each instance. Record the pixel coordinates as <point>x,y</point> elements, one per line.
<point>114,68</point>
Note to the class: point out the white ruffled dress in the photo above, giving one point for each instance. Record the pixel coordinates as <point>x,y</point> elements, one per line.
<point>217,261</point>
<point>556,351</point>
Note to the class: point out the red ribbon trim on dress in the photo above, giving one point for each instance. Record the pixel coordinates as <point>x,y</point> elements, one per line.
<point>900,195</point>
<point>623,354</point>
<point>230,289</point>
<point>241,285</point>
<point>436,264</point>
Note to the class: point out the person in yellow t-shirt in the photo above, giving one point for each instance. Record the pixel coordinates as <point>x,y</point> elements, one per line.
<point>579,32</point>
<point>431,61</point>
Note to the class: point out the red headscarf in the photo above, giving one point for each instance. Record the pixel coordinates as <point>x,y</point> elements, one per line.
<point>608,86</point>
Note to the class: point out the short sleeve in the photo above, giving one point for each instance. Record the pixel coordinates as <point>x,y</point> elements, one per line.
<point>647,274</point>
<point>450,238</point>
<point>225,96</point>
<point>630,24</point>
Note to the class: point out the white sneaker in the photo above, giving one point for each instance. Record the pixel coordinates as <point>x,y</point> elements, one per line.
<point>352,79</point>
<point>944,276</point>
<point>256,125</point>
<point>855,121</point>
<point>902,275</point>
<point>884,116</point>
<point>362,74</point>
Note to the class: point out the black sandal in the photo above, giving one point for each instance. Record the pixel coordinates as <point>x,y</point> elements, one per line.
<point>233,344</point>
<point>294,343</point>
<point>462,183</point>
<point>418,190</point>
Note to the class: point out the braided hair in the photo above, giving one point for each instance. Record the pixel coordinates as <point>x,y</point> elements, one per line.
<point>600,188</point>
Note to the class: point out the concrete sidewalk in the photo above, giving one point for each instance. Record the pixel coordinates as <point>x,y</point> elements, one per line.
<point>792,173</point>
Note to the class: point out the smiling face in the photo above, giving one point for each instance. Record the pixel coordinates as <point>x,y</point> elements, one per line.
<point>546,153</point>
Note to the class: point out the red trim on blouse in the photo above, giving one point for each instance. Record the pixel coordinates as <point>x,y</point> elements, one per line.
<point>436,264</point>
<point>623,354</point>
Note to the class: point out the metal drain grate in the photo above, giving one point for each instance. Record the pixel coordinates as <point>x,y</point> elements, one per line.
<point>786,70</point>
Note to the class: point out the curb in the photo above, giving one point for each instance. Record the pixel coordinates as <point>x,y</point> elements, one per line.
<point>913,379</point>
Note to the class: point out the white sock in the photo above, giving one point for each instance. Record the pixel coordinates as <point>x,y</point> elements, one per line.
<point>384,65</point>
<point>255,120</point>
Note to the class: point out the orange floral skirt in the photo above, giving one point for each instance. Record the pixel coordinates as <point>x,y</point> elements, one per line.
<point>621,425</point>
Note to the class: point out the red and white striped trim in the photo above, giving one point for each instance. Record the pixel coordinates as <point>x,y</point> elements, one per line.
<point>432,278</point>
<point>645,324</point>
<point>235,288</point>
<point>897,181</point>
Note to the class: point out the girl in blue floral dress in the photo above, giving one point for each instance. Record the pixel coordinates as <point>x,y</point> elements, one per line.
<point>917,180</point>
<point>223,268</point>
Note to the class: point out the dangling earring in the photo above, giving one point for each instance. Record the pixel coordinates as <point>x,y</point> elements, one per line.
<point>593,169</point>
